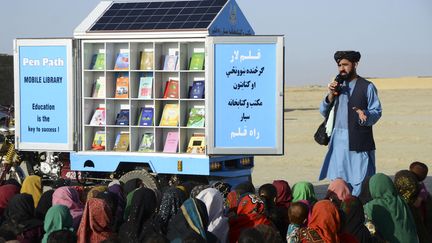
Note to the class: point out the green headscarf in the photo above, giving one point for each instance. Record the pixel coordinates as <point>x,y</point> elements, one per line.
<point>128,204</point>
<point>58,217</point>
<point>389,212</point>
<point>304,191</point>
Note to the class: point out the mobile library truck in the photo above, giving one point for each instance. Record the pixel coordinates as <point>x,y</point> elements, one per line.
<point>154,90</point>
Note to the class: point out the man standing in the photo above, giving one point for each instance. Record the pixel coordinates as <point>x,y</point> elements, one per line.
<point>351,154</point>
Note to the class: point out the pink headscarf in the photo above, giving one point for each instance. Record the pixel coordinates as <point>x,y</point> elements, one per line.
<point>340,188</point>
<point>69,197</point>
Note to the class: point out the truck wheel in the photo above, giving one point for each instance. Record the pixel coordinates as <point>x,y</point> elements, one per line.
<point>147,179</point>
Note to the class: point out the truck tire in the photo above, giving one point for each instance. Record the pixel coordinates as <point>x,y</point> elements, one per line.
<point>147,179</point>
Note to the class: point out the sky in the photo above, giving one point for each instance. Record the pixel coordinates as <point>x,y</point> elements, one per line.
<point>393,36</point>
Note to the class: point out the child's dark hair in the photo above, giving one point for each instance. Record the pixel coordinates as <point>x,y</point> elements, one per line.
<point>297,213</point>
<point>419,169</point>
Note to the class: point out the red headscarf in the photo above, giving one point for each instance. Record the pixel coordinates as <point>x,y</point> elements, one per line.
<point>95,222</point>
<point>250,213</point>
<point>6,193</point>
<point>326,221</point>
<point>340,188</point>
<point>231,201</point>
<point>284,195</point>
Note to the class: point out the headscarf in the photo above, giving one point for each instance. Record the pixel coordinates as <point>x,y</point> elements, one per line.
<point>284,194</point>
<point>197,189</point>
<point>69,197</point>
<point>218,224</point>
<point>143,207</point>
<point>33,185</point>
<point>191,219</point>
<point>223,187</point>
<point>340,188</point>
<point>304,191</point>
<point>389,212</point>
<point>365,196</point>
<point>250,213</point>
<point>354,220</point>
<point>232,201</point>
<point>352,56</point>
<point>44,204</point>
<point>131,185</point>
<point>117,190</point>
<point>95,191</point>
<point>407,185</point>
<point>172,199</point>
<point>20,213</point>
<point>6,193</point>
<point>96,221</point>
<point>326,221</point>
<point>244,188</point>
<point>58,217</point>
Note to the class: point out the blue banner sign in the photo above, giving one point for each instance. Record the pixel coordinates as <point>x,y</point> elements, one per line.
<point>245,96</point>
<point>43,94</point>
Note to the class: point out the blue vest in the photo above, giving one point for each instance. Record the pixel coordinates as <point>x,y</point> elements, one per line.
<point>360,137</point>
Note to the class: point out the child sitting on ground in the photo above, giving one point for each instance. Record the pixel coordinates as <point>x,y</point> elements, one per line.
<point>297,214</point>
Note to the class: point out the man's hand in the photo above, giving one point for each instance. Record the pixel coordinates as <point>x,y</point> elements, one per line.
<point>332,90</point>
<point>361,114</point>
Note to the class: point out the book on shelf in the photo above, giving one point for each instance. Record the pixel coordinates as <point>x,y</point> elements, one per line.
<point>99,88</point>
<point>171,89</point>
<point>196,144</point>
<point>122,61</point>
<point>122,117</point>
<point>145,88</point>
<point>122,87</point>
<point>197,61</point>
<point>147,143</point>
<point>146,60</point>
<point>99,140</point>
<point>122,142</point>
<point>170,62</point>
<point>171,142</point>
<point>98,61</point>
<point>146,116</point>
<point>197,90</point>
<point>170,115</point>
<point>196,117</point>
<point>99,116</point>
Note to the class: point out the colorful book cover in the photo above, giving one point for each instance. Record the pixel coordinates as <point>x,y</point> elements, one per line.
<point>196,144</point>
<point>99,88</point>
<point>146,62</point>
<point>122,142</point>
<point>170,62</point>
<point>146,116</point>
<point>122,61</point>
<point>122,87</point>
<point>197,90</point>
<point>171,89</point>
<point>98,118</point>
<point>170,115</point>
<point>99,140</point>
<point>171,142</point>
<point>197,61</point>
<point>196,117</point>
<point>122,117</point>
<point>99,62</point>
<point>145,88</point>
<point>147,143</point>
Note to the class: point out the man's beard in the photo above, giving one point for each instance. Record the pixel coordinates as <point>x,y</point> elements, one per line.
<point>348,76</point>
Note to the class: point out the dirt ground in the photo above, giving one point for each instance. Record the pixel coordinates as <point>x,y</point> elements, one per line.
<point>402,135</point>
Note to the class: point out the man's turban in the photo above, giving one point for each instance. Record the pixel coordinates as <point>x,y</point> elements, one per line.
<point>352,56</point>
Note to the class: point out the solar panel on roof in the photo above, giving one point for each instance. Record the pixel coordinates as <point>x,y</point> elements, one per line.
<point>159,15</point>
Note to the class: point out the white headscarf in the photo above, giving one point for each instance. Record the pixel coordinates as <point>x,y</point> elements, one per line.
<point>218,223</point>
